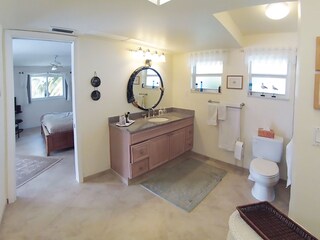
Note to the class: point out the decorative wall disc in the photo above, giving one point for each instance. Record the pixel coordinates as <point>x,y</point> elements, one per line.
<point>95,95</point>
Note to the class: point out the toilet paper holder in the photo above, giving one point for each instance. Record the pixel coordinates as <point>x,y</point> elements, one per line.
<point>238,150</point>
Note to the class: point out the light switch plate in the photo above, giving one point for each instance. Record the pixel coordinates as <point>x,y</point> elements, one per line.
<point>316,138</point>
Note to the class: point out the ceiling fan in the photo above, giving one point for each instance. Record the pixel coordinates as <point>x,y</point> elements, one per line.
<point>55,64</point>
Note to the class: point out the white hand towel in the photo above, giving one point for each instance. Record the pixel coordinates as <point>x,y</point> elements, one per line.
<point>222,112</point>
<point>212,113</point>
<point>289,150</point>
<point>229,129</point>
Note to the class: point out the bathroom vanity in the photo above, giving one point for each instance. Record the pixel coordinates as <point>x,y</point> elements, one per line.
<point>149,142</point>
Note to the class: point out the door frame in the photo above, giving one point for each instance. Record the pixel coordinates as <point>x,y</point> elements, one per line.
<point>9,101</point>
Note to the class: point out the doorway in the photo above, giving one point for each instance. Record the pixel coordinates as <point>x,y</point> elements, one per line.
<point>42,86</point>
<point>10,37</point>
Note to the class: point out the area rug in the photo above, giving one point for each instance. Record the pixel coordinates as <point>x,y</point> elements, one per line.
<point>185,184</point>
<point>28,167</point>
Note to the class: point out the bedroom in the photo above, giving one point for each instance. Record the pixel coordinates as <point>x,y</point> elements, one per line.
<point>91,56</point>
<point>42,83</point>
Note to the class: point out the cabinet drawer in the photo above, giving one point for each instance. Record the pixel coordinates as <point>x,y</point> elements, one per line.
<point>139,168</point>
<point>139,152</point>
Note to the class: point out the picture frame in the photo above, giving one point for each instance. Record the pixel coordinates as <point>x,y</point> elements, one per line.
<point>234,82</point>
<point>136,80</point>
<point>316,95</point>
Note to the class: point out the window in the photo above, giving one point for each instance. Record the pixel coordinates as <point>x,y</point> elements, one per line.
<point>269,78</point>
<point>46,86</point>
<point>207,77</point>
<point>152,79</point>
<point>207,70</point>
<point>270,73</point>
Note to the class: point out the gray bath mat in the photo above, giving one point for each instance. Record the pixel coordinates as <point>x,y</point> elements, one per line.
<point>185,184</point>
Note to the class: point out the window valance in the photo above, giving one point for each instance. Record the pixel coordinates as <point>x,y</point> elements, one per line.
<point>208,57</point>
<point>270,54</point>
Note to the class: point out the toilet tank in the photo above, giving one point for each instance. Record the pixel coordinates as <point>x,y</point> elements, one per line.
<point>267,148</point>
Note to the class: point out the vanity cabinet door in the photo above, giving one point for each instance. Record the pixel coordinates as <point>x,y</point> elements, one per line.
<point>189,138</point>
<point>158,151</point>
<point>177,143</point>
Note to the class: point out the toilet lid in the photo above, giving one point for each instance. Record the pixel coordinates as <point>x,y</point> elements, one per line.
<point>264,167</point>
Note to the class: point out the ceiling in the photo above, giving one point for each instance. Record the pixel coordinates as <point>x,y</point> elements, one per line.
<point>176,26</point>
<point>40,53</point>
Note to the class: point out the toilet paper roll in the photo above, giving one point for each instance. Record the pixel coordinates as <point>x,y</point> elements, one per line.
<point>238,149</point>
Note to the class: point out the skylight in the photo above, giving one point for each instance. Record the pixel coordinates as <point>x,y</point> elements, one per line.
<point>159,2</point>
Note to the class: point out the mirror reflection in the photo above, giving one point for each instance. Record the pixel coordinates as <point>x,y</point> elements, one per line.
<point>145,88</point>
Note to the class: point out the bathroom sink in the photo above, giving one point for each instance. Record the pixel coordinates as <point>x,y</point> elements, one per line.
<point>158,119</point>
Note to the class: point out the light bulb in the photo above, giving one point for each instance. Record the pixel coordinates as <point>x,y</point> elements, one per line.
<point>162,58</point>
<point>277,11</point>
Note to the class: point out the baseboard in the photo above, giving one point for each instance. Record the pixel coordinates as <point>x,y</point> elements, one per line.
<point>85,179</point>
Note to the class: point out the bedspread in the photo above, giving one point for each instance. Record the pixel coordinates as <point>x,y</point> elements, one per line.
<point>58,122</point>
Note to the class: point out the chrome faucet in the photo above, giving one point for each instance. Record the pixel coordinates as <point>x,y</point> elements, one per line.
<point>149,112</point>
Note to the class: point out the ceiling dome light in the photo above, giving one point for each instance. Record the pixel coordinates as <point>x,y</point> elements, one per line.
<point>277,11</point>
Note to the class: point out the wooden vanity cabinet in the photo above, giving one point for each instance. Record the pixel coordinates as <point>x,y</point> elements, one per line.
<point>189,138</point>
<point>139,163</point>
<point>159,151</point>
<point>177,143</point>
<point>133,154</point>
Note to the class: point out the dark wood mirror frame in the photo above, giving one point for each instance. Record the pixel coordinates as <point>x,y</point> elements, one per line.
<point>130,95</point>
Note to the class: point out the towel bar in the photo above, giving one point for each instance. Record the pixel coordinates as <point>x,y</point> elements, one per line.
<point>240,106</point>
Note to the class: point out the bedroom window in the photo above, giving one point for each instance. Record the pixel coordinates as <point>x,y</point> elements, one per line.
<point>44,86</point>
<point>270,72</point>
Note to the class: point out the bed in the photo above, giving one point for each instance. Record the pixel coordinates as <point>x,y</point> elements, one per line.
<point>57,130</point>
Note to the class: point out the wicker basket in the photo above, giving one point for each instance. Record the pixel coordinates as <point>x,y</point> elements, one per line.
<point>271,224</point>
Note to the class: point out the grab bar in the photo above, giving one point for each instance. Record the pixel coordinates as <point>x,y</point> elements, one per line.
<point>240,106</point>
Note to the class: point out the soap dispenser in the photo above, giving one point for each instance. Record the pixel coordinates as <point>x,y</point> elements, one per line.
<point>127,117</point>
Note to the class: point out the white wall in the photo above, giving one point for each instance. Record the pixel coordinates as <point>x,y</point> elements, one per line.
<point>113,63</point>
<point>31,113</point>
<point>305,190</point>
<point>257,112</point>
<point>3,177</point>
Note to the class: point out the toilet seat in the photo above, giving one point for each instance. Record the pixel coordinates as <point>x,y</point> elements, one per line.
<point>264,167</point>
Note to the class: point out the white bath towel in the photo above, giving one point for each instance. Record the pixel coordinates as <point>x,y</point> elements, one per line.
<point>212,113</point>
<point>229,129</point>
<point>222,112</point>
<point>289,150</point>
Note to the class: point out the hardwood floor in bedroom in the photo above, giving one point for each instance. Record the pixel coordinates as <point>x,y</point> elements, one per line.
<point>54,206</point>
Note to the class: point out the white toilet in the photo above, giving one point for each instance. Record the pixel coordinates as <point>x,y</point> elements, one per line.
<point>264,170</point>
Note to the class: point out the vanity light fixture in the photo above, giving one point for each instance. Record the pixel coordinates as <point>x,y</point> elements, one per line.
<point>159,2</point>
<point>148,55</point>
<point>277,11</point>
<point>148,62</point>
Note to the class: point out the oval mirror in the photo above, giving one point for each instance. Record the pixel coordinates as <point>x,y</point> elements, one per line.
<point>145,88</point>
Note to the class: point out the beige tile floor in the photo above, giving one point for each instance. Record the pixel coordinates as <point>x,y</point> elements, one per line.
<point>54,206</point>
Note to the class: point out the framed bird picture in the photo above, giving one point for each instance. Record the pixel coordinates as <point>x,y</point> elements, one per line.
<point>234,81</point>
